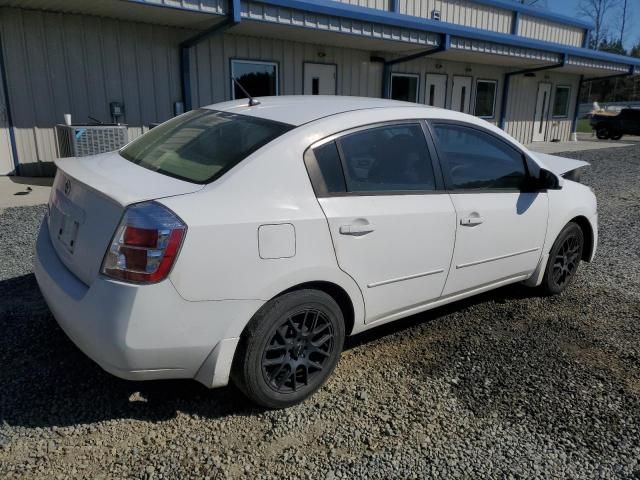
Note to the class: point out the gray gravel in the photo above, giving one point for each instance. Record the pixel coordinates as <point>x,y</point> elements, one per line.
<point>505,385</point>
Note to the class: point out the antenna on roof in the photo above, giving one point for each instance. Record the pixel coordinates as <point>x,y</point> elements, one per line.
<point>252,101</point>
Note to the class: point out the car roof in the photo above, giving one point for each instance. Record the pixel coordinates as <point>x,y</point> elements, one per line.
<point>300,109</point>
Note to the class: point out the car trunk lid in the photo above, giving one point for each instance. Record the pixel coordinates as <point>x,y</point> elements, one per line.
<point>88,199</point>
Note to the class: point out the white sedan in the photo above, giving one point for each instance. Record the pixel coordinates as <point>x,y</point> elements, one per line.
<point>245,241</point>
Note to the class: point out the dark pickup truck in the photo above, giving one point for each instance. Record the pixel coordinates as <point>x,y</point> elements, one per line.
<point>627,122</point>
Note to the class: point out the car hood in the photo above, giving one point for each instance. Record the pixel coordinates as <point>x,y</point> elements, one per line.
<point>558,165</point>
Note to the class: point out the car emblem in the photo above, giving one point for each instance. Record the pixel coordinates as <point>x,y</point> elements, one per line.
<point>67,187</point>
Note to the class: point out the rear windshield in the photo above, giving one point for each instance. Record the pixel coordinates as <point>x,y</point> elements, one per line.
<point>201,145</point>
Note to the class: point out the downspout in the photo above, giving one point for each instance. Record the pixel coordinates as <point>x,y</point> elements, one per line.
<point>12,133</point>
<point>507,79</point>
<point>233,18</point>
<point>445,43</point>
<point>574,123</point>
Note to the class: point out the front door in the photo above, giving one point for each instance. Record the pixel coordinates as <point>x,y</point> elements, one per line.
<point>6,156</point>
<point>319,79</point>
<point>436,90</point>
<point>500,228</point>
<point>393,231</point>
<point>541,119</point>
<point>461,94</point>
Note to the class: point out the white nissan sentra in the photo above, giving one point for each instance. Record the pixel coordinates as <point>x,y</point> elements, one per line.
<point>245,241</point>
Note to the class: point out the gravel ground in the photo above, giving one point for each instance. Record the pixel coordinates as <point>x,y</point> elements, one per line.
<point>505,385</point>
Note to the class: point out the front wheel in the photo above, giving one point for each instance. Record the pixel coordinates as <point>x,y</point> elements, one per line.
<point>564,258</point>
<point>290,348</point>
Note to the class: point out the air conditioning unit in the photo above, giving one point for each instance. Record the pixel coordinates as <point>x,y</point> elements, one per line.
<point>84,140</point>
<point>435,14</point>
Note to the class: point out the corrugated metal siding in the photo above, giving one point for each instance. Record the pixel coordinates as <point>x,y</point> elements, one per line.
<point>211,62</point>
<point>590,63</point>
<point>541,29</point>
<point>502,49</point>
<point>208,6</point>
<point>62,63</point>
<point>461,12</point>
<point>522,103</point>
<point>286,16</point>
<point>377,4</point>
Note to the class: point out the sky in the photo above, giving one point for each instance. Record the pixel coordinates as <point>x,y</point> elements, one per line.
<point>632,29</point>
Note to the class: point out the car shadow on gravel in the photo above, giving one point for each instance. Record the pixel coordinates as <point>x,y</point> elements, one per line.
<point>46,381</point>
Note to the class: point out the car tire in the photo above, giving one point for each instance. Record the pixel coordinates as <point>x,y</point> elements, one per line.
<point>289,349</point>
<point>615,136</point>
<point>602,133</point>
<point>564,259</point>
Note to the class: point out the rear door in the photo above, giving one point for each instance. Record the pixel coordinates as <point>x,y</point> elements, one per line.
<point>501,226</point>
<point>391,223</point>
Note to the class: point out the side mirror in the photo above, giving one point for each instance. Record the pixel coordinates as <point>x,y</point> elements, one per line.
<point>548,180</point>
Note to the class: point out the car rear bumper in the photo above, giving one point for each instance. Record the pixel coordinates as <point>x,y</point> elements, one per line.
<point>142,332</point>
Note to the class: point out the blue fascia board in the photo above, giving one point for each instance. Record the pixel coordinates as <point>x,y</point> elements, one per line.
<point>364,14</point>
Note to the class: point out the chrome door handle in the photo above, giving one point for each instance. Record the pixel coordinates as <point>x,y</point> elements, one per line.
<point>470,221</point>
<point>356,229</point>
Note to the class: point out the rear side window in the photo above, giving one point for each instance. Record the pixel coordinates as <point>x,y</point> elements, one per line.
<point>390,158</point>
<point>328,160</point>
<point>477,160</point>
<point>201,145</point>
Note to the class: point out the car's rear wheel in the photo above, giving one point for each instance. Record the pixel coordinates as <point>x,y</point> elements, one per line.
<point>615,135</point>
<point>602,133</point>
<point>290,348</point>
<point>564,259</point>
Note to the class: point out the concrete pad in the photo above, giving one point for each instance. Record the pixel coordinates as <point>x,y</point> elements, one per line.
<point>579,146</point>
<point>24,191</point>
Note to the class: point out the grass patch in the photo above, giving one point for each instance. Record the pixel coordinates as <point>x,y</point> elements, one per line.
<point>583,126</point>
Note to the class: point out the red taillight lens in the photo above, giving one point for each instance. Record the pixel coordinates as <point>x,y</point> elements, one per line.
<point>145,245</point>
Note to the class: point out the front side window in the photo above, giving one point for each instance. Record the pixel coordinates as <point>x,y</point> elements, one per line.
<point>485,98</point>
<point>475,160</point>
<point>259,79</point>
<point>201,145</point>
<point>391,158</point>
<point>561,102</point>
<point>404,87</point>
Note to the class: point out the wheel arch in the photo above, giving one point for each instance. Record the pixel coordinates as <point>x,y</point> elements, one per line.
<point>588,233</point>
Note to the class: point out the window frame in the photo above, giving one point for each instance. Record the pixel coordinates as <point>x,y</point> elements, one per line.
<point>530,166</point>
<point>555,91</point>
<point>495,98</point>
<point>259,62</point>
<point>408,75</point>
<point>317,178</point>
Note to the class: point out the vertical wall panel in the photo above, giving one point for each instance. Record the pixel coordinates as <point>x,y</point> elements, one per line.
<point>541,29</point>
<point>63,63</point>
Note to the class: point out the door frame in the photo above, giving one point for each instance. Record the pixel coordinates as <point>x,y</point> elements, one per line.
<point>405,74</point>
<point>304,72</point>
<point>535,112</point>
<point>453,79</point>
<point>13,150</point>
<point>446,86</point>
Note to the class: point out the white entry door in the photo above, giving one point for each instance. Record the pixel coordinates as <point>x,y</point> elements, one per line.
<point>436,90</point>
<point>6,157</point>
<point>542,112</point>
<point>461,94</point>
<point>319,79</point>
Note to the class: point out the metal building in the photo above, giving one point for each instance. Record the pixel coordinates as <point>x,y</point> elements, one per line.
<point>518,67</point>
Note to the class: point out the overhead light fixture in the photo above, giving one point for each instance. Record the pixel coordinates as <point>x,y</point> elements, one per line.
<point>322,54</point>
<point>438,66</point>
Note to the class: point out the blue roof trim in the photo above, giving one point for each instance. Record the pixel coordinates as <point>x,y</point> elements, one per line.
<point>364,14</point>
<point>535,12</point>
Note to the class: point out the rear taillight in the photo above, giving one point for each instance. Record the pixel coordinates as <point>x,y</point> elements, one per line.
<point>145,245</point>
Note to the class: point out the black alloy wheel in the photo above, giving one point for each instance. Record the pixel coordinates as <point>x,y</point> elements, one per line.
<point>289,348</point>
<point>298,351</point>
<point>564,259</point>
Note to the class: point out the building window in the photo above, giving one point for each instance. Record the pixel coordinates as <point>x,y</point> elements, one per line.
<point>404,86</point>
<point>259,79</point>
<point>561,101</point>
<point>486,98</point>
